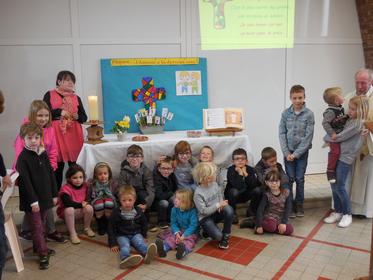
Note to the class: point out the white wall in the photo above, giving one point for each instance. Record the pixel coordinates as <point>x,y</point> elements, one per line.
<point>40,37</point>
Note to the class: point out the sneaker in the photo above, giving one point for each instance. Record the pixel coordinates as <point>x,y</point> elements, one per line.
<point>203,234</point>
<point>292,214</point>
<point>25,235</point>
<point>150,253</point>
<point>74,239</point>
<point>163,225</point>
<point>51,252</point>
<point>43,262</point>
<point>153,228</point>
<point>130,261</point>
<point>345,221</point>
<point>89,232</point>
<point>333,218</point>
<point>300,211</point>
<point>57,237</point>
<point>160,248</point>
<point>331,176</point>
<point>248,223</point>
<point>180,251</point>
<point>224,242</point>
<point>235,219</point>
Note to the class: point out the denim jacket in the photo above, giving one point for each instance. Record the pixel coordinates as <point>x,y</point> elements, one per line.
<point>296,131</point>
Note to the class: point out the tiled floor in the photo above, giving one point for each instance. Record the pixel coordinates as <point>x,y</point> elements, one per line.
<point>315,251</point>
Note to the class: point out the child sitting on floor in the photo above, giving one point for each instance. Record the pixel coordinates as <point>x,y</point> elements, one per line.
<point>275,206</point>
<point>100,195</point>
<point>184,226</point>
<point>73,202</point>
<point>128,226</point>
<point>211,206</point>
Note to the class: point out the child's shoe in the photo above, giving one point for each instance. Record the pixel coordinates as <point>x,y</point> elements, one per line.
<point>150,254</point>
<point>153,228</point>
<point>293,212</point>
<point>331,176</point>
<point>89,232</point>
<point>235,219</point>
<point>74,239</point>
<point>163,225</point>
<point>56,237</point>
<point>333,218</point>
<point>130,261</point>
<point>300,211</point>
<point>224,242</point>
<point>43,262</point>
<point>248,223</point>
<point>51,252</point>
<point>345,221</point>
<point>160,248</point>
<point>180,251</point>
<point>25,235</point>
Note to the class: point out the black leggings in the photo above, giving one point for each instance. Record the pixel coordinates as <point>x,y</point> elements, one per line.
<point>59,172</point>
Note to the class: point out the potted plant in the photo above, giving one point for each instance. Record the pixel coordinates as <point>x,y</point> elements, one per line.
<point>120,128</point>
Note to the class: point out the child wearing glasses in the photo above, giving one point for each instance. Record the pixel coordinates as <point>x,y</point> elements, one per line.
<point>135,173</point>
<point>242,184</point>
<point>183,164</point>
<point>275,206</point>
<point>165,185</point>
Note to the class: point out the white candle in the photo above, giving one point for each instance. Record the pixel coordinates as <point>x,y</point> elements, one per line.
<point>93,108</point>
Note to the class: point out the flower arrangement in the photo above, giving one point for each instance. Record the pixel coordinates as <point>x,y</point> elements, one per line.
<point>121,126</point>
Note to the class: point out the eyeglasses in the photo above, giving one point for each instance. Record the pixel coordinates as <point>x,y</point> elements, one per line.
<point>184,154</point>
<point>273,181</point>
<point>165,168</point>
<point>135,156</point>
<point>239,158</point>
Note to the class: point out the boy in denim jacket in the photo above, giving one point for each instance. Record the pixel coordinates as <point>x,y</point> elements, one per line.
<point>296,133</point>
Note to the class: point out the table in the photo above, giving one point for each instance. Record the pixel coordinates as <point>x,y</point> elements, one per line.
<point>114,152</point>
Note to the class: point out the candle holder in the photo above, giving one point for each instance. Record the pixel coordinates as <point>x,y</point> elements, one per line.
<point>95,134</point>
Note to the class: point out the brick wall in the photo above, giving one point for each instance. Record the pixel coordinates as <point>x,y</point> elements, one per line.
<point>365,14</point>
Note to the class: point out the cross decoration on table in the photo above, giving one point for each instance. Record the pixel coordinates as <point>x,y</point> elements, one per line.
<point>148,94</point>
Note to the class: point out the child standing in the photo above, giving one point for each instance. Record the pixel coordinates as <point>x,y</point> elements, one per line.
<point>40,115</point>
<point>242,184</point>
<point>100,195</point>
<point>296,133</point>
<point>165,184</point>
<point>134,172</point>
<point>351,141</point>
<point>72,202</point>
<point>334,119</point>
<point>37,187</point>
<point>274,208</point>
<point>128,226</point>
<point>210,203</point>
<point>67,116</point>
<point>184,226</point>
<point>184,163</point>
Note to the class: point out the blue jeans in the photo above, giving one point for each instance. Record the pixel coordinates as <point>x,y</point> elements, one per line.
<point>209,225</point>
<point>340,197</point>
<point>125,242</point>
<point>295,170</point>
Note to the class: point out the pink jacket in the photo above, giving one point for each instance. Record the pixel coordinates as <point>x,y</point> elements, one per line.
<point>49,142</point>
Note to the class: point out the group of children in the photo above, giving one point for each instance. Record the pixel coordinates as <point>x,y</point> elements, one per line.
<point>188,193</point>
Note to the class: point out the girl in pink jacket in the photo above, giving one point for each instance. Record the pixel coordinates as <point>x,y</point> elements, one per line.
<point>40,114</point>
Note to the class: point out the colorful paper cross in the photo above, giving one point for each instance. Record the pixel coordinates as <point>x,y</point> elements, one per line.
<point>148,94</point>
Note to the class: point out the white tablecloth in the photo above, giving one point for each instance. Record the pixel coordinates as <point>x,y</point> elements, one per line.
<point>114,152</point>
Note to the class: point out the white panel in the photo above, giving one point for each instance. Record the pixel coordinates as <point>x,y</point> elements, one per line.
<point>337,18</point>
<point>91,55</point>
<point>26,74</point>
<point>129,19</point>
<point>34,19</point>
<point>318,67</point>
<point>241,79</point>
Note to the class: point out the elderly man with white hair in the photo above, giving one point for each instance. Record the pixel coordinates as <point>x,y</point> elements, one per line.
<point>361,178</point>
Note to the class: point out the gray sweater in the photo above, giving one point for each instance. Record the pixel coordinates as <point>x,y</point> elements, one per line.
<point>207,199</point>
<point>351,140</point>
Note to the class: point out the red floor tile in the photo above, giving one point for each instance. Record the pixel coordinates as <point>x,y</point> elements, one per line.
<point>241,250</point>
